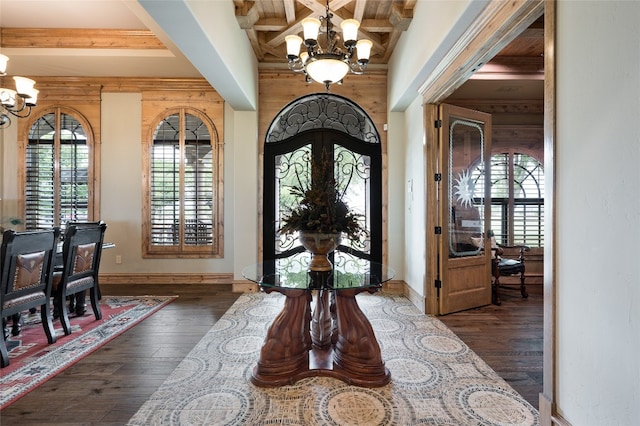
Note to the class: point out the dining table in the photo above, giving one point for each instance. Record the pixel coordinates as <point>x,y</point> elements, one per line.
<point>333,337</point>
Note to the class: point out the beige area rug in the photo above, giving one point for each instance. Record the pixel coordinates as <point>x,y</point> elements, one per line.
<point>435,378</point>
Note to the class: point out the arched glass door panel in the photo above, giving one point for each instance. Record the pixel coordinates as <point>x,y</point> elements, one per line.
<point>304,130</point>
<point>466,186</point>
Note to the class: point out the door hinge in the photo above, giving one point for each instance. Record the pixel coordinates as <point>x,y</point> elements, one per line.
<point>438,283</point>
<point>438,230</point>
<point>437,124</point>
<point>437,177</point>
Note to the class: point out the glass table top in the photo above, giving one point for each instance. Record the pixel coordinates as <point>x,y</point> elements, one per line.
<point>283,273</point>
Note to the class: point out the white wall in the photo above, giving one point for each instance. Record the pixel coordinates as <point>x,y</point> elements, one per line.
<point>437,26</point>
<point>121,191</point>
<point>598,212</point>
<point>241,127</point>
<point>396,149</point>
<point>415,206</point>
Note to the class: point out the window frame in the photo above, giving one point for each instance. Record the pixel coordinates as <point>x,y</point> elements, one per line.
<point>183,250</point>
<point>93,169</point>
<point>507,205</point>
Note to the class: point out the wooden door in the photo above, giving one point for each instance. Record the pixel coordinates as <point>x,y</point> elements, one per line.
<point>464,202</point>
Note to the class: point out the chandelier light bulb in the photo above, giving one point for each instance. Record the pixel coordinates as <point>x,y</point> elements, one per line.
<point>293,46</point>
<point>19,102</point>
<point>8,98</point>
<point>3,64</point>
<point>24,86</point>
<point>363,48</point>
<point>32,99</point>
<point>350,30</point>
<point>311,29</point>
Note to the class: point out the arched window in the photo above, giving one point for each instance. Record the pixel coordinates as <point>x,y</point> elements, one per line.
<point>59,170</point>
<point>517,199</point>
<point>183,200</point>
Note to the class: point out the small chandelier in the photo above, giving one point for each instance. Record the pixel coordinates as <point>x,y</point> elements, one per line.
<point>16,102</point>
<point>330,64</point>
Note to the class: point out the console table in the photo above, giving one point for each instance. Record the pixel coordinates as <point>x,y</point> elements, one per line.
<point>334,339</point>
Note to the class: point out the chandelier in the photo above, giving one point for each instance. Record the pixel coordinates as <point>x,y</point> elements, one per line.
<point>330,64</point>
<point>16,102</point>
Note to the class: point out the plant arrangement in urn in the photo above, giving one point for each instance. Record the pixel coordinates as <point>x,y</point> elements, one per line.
<point>321,216</point>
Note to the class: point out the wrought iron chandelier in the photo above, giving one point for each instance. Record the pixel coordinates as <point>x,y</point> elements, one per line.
<point>329,64</point>
<point>16,102</point>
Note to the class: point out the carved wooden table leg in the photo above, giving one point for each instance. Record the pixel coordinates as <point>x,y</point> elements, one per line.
<point>357,352</point>
<point>321,325</point>
<point>285,352</point>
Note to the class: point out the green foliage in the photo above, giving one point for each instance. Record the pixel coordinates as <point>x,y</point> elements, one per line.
<point>320,206</point>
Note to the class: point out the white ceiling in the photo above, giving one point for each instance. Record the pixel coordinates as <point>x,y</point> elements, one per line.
<point>100,14</point>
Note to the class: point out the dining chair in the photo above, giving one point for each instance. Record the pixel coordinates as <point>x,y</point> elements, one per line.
<point>509,260</point>
<point>26,276</point>
<point>81,252</point>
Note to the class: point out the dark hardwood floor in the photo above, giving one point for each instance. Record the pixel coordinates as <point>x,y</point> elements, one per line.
<point>110,385</point>
<point>507,337</point>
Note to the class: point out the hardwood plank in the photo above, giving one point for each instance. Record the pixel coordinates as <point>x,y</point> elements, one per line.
<point>508,337</point>
<point>110,385</point>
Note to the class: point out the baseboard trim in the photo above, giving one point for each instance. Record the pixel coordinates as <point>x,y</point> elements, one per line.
<point>418,300</point>
<point>166,279</point>
<point>558,420</point>
<point>394,286</point>
<point>244,286</point>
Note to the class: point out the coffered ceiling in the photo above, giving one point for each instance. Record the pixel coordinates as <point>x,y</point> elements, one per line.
<point>119,38</point>
<point>268,22</point>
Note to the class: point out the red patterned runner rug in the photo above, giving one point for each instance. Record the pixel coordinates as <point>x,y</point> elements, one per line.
<point>33,361</point>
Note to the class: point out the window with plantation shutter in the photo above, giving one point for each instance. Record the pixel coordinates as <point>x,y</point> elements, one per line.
<point>517,199</point>
<point>57,170</point>
<point>182,200</point>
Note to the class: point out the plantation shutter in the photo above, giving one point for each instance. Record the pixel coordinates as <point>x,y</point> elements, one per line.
<point>528,199</point>
<point>182,184</point>
<point>517,199</point>
<point>57,172</point>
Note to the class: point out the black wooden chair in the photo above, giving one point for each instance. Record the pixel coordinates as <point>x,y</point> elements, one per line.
<point>504,265</point>
<point>26,276</point>
<point>81,254</point>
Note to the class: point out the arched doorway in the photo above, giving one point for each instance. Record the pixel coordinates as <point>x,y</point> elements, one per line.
<point>304,129</point>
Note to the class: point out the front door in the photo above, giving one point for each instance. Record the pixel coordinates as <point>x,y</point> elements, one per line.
<point>309,127</point>
<point>464,203</point>
<point>357,169</point>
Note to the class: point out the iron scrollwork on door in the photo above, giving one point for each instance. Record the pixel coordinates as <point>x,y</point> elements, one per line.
<point>303,129</point>
<point>323,111</point>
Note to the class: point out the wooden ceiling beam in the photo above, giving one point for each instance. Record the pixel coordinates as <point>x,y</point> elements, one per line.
<point>290,11</point>
<point>358,11</point>
<point>376,25</point>
<point>400,18</point>
<point>79,38</point>
<point>247,15</point>
<point>255,43</point>
<point>271,24</point>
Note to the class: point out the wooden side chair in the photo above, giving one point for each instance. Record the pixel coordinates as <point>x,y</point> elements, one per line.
<point>81,254</point>
<point>26,276</point>
<point>503,265</point>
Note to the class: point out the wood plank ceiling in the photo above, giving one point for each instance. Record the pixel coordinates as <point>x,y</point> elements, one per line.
<point>268,22</point>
